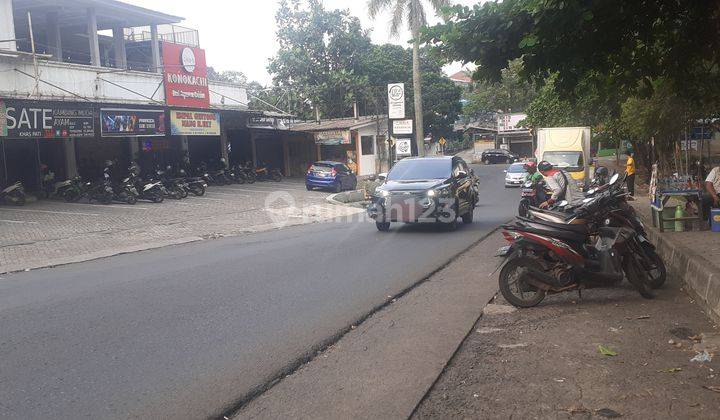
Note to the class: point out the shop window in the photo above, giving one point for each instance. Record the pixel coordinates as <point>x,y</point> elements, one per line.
<point>368,145</point>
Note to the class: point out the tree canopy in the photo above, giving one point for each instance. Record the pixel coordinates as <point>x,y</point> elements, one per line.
<point>604,63</point>
<point>326,60</point>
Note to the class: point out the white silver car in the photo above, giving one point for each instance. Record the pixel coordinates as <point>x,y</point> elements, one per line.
<point>515,175</point>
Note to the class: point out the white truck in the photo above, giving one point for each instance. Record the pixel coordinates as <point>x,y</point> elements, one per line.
<point>567,148</point>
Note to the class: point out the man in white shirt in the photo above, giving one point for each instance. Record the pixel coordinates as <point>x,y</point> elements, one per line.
<point>712,189</point>
<point>561,183</point>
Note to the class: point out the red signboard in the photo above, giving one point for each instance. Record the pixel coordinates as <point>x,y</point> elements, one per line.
<point>185,76</point>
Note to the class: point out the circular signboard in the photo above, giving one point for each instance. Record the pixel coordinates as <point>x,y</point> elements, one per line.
<point>188,59</point>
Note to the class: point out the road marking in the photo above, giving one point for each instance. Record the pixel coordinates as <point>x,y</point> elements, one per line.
<point>18,221</point>
<point>51,212</point>
<point>113,206</point>
<point>261,191</point>
<point>213,199</point>
<point>232,195</point>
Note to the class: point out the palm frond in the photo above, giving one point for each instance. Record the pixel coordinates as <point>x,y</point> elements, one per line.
<point>398,16</point>
<point>377,6</point>
<point>416,15</point>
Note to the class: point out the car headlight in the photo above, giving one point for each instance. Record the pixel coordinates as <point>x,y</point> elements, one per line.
<point>431,193</point>
<point>384,193</point>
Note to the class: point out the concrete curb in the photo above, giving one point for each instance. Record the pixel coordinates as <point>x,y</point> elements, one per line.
<point>347,198</point>
<point>699,275</point>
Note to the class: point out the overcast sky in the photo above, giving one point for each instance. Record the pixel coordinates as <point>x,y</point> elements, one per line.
<point>240,34</point>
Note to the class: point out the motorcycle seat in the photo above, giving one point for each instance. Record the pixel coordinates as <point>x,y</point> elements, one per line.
<point>579,229</point>
<point>539,229</point>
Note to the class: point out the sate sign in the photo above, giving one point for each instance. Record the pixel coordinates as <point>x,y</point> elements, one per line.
<point>21,119</point>
<point>185,76</point>
<point>194,123</point>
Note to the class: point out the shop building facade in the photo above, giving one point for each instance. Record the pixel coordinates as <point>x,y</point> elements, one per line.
<point>360,142</point>
<point>85,97</point>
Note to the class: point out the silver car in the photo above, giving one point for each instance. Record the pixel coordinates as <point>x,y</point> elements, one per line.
<point>515,175</point>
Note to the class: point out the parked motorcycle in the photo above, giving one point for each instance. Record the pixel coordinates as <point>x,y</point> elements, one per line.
<point>14,194</point>
<point>174,188</point>
<point>147,190</point>
<point>195,185</point>
<point>101,191</point>
<point>263,173</point>
<point>249,172</point>
<point>70,190</point>
<point>237,173</point>
<point>572,251</point>
<point>126,192</point>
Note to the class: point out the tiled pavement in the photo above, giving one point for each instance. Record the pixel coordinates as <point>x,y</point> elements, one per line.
<point>49,233</point>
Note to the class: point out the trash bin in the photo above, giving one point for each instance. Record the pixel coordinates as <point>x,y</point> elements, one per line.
<point>715,220</point>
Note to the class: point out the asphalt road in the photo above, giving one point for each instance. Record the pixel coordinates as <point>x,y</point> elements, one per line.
<point>185,331</point>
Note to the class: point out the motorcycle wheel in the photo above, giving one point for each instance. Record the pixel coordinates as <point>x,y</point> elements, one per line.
<point>131,199</point>
<point>659,274</point>
<point>240,179</point>
<point>19,200</point>
<point>251,179</point>
<point>198,191</point>
<point>637,276</point>
<point>158,198</point>
<point>524,207</point>
<point>511,277</point>
<point>71,196</point>
<point>183,193</point>
<point>276,177</point>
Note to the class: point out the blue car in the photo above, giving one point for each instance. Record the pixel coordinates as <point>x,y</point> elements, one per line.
<point>334,176</point>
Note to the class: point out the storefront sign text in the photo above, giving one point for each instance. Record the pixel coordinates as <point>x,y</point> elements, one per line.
<point>333,137</point>
<point>194,123</point>
<point>21,119</point>
<point>185,76</point>
<point>132,122</point>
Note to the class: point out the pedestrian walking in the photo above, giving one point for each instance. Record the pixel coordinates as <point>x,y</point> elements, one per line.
<point>630,172</point>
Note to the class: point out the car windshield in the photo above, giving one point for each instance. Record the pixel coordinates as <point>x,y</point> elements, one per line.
<point>565,160</point>
<point>516,169</point>
<point>321,167</point>
<point>420,169</point>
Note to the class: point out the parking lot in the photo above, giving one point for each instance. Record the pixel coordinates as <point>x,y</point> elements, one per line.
<point>50,232</point>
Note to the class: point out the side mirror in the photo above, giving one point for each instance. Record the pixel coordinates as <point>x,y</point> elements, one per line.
<point>462,175</point>
<point>614,179</point>
<point>382,176</point>
<point>563,203</point>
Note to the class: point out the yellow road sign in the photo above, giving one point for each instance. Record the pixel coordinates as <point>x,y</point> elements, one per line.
<point>442,141</point>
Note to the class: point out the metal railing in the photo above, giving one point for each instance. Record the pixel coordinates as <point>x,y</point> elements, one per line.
<point>169,33</point>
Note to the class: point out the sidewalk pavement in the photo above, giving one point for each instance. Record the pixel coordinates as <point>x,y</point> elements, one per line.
<point>692,256</point>
<point>545,362</point>
<point>48,233</point>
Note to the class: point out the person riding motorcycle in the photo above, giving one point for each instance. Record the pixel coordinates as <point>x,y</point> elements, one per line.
<point>532,173</point>
<point>561,185</point>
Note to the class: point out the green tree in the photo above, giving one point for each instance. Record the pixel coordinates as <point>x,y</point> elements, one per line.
<point>319,60</point>
<point>511,93</point>
<point>601,54</point>
<point>413,13</point>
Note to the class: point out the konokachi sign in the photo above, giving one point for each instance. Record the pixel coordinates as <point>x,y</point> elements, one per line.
<point>185,76</point>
